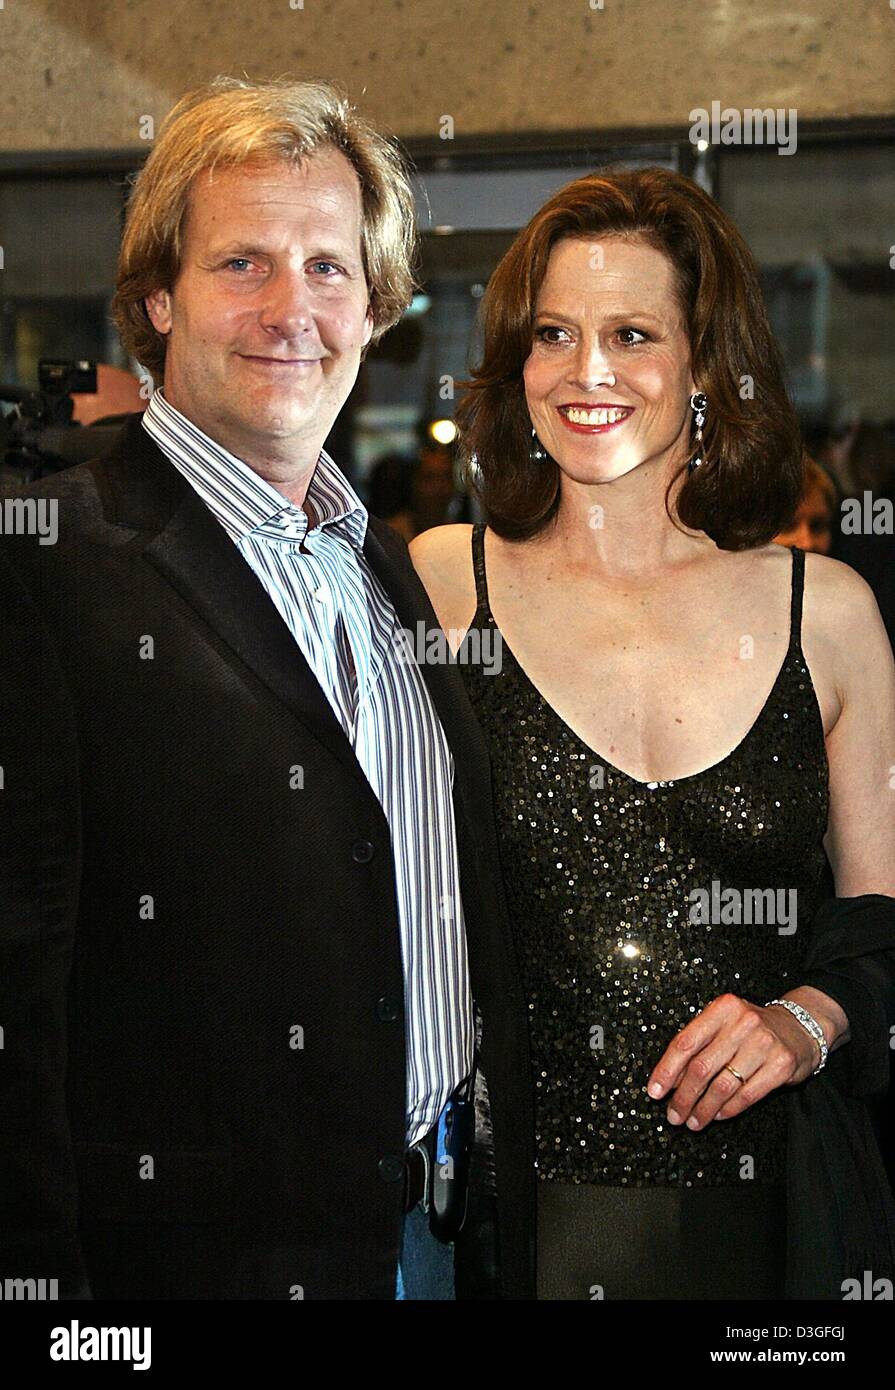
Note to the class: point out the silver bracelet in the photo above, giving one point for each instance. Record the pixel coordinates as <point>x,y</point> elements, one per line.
<point>810,1023</point>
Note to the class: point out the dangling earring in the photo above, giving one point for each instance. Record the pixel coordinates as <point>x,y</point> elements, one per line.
<point>537,453</point>
<point>698,404</point>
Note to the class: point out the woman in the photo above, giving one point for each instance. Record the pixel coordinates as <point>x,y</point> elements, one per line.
<point>686,716</point>
<point>812,526</point>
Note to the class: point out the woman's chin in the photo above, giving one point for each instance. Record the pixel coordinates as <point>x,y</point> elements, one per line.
<point>603,470</point>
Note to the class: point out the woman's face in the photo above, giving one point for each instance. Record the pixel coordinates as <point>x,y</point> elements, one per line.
<point>812,528</point>
<point>608,379</point>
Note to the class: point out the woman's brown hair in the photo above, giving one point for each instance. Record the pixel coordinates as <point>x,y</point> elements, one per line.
<point>231,122</point>
<point>749,484</point>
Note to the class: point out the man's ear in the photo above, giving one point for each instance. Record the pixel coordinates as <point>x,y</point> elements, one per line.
<point>368,327</point>
<point>158,307</point>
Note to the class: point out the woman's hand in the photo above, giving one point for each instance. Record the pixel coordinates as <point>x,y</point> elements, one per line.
<point>767,1046</point>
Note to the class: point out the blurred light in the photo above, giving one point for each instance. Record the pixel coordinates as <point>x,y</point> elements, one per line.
<point>443,231</point>
<point>702,146</point>
<point>419,304</point>
<point>477,291</point>
<point>630,949</point>
<point>443,431</point>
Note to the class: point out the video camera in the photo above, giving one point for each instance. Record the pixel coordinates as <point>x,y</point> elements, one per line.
<point>39,436</point>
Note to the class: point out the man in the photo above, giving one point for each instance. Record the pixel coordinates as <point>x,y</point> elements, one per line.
<point>250,864</point>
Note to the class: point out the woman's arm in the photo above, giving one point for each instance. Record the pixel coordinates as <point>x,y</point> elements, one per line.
<point>844,635</point>
<point>860,838</point>
<point>849,655</point>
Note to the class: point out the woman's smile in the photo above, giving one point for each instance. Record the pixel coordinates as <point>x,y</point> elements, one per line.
<point>593,419</point>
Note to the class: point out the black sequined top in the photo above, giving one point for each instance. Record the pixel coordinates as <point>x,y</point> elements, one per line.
<point>617,948</point>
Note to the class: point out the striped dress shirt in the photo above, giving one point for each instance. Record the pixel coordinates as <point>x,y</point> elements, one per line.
<point>345,625</point>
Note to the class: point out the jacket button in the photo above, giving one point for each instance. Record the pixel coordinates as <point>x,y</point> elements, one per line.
<point>391,1169</point>
<point>362,851</point>
<point>387,1009</point>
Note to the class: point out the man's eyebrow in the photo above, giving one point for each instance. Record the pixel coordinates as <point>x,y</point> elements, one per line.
<point>243,247</point>
<point>247,248</point>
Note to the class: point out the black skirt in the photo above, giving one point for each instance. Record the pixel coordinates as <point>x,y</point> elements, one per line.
<point>597,1241</point>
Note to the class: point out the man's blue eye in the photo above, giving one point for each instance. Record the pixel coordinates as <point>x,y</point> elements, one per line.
<point>243,259</point>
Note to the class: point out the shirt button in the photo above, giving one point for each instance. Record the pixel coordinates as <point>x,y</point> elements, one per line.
<point>391,1169</point>
<point>362,851</point>
<point>387,1009</point>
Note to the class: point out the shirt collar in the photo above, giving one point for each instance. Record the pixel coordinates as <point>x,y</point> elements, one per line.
<point>243,501</point>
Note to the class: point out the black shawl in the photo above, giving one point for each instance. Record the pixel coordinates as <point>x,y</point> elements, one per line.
<point>840,1206</point>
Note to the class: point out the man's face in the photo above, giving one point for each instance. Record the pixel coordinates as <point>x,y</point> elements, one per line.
<point>270,310</point>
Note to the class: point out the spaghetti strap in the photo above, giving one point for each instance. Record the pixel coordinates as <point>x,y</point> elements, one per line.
<point>478,567</point>
<point>798,588</point>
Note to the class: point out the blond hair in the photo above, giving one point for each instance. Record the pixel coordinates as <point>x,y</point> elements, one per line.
<point>232,122</point>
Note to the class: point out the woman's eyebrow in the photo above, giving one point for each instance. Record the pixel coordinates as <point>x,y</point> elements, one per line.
<point>618,315</point>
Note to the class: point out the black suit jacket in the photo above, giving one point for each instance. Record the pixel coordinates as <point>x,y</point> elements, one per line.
<point>203,1086</point>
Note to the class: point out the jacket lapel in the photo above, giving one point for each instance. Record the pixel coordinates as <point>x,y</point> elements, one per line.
<point>196,556</point>
<point>143,490</point>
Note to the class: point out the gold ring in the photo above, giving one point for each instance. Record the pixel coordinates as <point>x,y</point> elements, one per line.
<point>734,1071</point>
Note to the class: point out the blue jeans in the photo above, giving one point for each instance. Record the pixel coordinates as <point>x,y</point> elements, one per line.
<point>426,1267</point>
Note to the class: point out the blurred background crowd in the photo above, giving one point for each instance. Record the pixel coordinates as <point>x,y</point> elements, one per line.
<point>545,92</point>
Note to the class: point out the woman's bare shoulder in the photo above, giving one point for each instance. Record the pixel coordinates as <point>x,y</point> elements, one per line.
<point>835,596</point>
<point>842,633</point>
<point>842,624</point>
<point>442,540</point>
<point>839,601</point>
<point>442,557</point>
